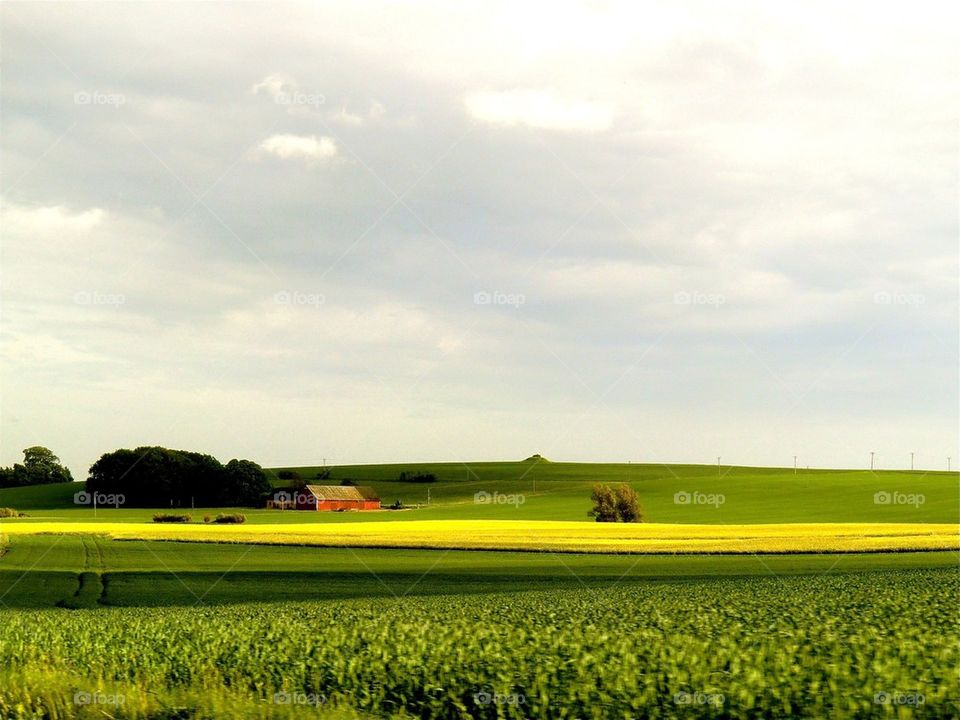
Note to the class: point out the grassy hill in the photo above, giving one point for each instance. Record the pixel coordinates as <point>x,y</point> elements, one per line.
<point>541,490</point>
<point>561,491</point>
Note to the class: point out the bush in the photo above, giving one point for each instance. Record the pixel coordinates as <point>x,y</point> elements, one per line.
<point>207,518</point>
<point>11,513</point>
<point>347,482</point>
<point>232,519</point>
<point>620,505</point>
<point>417,477</point>
<point>397,505</point>
<point>288,475</point>
<point>171,518</point>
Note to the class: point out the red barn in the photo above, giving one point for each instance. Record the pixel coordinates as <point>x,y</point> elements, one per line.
<point>338,497</point>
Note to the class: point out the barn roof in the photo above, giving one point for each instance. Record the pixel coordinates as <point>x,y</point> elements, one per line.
<point>343,492</point>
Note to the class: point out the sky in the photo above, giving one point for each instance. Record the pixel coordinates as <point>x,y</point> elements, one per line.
<point>365,232</point>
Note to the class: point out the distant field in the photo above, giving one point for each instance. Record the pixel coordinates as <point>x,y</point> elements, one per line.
<point>540,535</point>
<point>560,491</point>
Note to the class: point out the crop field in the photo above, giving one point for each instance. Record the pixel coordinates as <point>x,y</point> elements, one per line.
<point>542,535</point>
<point>499,598</point>
<point>882,644</point>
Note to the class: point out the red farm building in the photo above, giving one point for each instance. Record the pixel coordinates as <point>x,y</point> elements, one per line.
<point>337,497</point>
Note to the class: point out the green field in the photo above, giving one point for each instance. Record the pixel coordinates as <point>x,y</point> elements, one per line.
<point>191,630</point>
<point>561,491</point>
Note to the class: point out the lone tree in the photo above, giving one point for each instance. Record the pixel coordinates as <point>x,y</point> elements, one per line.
<point>620,505</point>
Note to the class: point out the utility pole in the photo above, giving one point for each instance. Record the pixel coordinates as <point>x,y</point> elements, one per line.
<point>428,496</point>
<point>871,459</point>
<point>794,464</point>
<point>911,461</point>
<point>718,466</point>
<point>948,463</point>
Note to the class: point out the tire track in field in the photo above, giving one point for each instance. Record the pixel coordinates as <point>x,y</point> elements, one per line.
<point>91,588</point>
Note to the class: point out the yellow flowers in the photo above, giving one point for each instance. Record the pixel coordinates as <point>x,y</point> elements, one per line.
<point>544,535</point>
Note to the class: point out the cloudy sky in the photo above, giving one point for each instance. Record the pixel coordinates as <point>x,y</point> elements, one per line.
<point>363,232</point>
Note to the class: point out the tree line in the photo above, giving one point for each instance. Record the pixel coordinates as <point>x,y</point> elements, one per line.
<point>151,476</point>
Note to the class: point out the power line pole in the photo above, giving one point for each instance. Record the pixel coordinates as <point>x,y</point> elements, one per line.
<point>871,459</point>
<point>428,496</point>
<point>948,463</point>
<point>794,464</point>
<point>911,461</point>
<point>718,466</point>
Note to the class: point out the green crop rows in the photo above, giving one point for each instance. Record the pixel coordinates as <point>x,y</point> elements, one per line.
<point>881,644</point>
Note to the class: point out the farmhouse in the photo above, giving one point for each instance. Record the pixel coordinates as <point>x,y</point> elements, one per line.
<point>337,497</point>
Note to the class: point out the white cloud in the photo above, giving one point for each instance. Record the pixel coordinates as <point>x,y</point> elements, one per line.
<point>537,108</point>
<point>308,147</point>
<point>276,86</point>
<point>33,221</point>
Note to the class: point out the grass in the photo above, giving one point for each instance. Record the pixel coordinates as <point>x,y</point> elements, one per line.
<point>838,646</point>
<point>560,491</point>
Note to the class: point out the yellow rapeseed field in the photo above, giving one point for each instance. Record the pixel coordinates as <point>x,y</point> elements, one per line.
<point>541,535</point>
